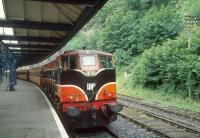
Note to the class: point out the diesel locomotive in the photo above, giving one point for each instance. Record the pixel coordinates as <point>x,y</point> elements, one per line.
<point>81,85</point>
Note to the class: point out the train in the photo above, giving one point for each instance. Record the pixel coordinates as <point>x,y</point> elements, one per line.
<point>81,85</point>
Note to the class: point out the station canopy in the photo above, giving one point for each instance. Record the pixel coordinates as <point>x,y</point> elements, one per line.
<point>42,27</point>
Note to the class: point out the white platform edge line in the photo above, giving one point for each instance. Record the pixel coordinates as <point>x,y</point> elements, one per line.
<point>61,128</point>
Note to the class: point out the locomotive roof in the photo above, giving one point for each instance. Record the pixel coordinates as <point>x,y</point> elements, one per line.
<point>86,52</point>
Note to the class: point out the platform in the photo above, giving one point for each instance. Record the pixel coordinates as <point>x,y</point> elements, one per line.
<point>26,113</point>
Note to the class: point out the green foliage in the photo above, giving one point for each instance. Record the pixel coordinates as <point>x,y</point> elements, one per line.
<point>158,25</point>
<point>122,36</point>
<point>129,27</point>
<point>122,57</point>
<point>145,4</point>
<point>171,68</point>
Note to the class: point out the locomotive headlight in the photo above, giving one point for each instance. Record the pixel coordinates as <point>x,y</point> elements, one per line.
<point>73,112</point>
<point>108,94</point>
<point>70,97</point>
<point>73,97</point>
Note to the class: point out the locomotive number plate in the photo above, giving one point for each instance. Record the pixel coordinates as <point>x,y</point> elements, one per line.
<point>90,86</point>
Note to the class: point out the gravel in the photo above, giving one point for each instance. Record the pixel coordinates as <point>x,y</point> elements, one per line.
<point>123,128</point>
<point>92,133</point>
<point>126,129</point>
<point>191,122</point>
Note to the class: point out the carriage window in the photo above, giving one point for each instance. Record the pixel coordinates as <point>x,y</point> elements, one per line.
<point>89,60</point>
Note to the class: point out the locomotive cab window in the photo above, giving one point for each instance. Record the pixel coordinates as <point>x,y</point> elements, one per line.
<point>70,62</point>
<point>73,62</point>
<point>65,63</point>
<point>110,62</point>
<point>103,61</point>
<point>106,62</point>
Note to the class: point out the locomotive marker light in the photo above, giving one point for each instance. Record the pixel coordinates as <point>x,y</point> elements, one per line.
<point>115,108</point>
<point>73,112</point>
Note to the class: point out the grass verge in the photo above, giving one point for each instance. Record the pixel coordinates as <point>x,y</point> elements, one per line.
<point>155,95</point>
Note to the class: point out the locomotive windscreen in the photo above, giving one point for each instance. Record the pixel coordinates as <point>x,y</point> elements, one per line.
<point>89,60</point>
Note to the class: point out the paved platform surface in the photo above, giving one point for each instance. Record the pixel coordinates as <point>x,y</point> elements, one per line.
<point>25,113</point>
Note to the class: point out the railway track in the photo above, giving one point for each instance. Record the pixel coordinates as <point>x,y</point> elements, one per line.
<point>161,121</point>
<point>187,114</point>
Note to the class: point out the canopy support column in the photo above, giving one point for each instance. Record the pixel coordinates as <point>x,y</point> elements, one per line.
<point>12,76</point>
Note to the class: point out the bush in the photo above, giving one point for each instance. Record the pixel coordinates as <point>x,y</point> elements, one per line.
<point>171,68</point>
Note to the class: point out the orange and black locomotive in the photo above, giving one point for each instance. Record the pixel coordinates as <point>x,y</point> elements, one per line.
<point>81,85</point>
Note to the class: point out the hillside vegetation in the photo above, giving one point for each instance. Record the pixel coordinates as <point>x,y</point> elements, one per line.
<point>149,41</point>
